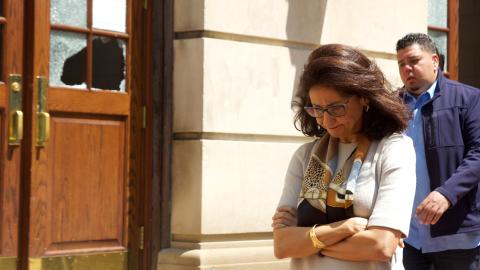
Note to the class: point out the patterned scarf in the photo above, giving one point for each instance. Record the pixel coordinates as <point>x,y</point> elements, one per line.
<point>330,193</point>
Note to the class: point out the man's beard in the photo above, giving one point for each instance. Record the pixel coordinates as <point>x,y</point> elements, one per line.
<point>413,89</point>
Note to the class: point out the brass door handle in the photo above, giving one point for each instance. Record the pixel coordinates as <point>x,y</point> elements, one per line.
<point>16,127</point>
<point>15,121</point>
<point>43,133</point>
<point>43,117</point>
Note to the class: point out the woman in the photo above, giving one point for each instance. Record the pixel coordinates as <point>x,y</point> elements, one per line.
<point>348,195</point>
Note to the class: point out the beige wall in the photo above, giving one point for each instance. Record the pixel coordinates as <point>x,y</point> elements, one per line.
<point>236,66</point>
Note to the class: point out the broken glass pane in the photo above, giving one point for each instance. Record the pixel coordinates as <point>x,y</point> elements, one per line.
<point>108,68</point>
<point>67,59</point>
<point>69,12</point>
<point>110,15</point>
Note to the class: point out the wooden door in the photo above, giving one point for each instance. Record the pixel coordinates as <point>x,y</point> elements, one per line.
<point>11,89</point>
<point>78,135</point>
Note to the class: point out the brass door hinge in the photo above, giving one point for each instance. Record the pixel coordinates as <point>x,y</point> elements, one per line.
<point>142,238</point>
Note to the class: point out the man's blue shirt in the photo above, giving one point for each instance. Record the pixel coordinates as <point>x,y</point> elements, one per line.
<point>419,235</point>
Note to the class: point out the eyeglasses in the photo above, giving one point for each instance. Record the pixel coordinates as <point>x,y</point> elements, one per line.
<point>336,110</point>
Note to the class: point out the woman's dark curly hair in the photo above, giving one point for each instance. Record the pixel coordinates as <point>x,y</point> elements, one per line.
<point>350,72</point>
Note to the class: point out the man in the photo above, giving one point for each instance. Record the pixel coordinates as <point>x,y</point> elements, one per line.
<point>445,129</point>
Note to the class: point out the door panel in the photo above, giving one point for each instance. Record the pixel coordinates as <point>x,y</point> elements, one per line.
<point>87,187</point>
<point>93,102</point>
<point>79,184</point>
<point>11,60</point>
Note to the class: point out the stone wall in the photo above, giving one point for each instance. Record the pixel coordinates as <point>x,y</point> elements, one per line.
<point>236,67</point>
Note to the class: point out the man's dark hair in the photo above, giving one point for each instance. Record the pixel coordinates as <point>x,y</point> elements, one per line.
<point>423,40</point>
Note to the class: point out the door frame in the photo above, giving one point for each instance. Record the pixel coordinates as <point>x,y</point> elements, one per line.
<point>159,132</point>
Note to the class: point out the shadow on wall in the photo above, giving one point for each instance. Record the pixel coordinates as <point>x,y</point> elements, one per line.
<point>304,24</point>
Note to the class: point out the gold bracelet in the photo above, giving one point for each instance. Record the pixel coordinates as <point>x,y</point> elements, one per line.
<point>313,236</point>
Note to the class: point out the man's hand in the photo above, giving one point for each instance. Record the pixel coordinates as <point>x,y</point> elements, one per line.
<point>285,216</point>
<point>432,208</point>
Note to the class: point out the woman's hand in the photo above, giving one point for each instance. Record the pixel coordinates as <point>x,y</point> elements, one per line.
<point>356,224</point>
<point>285,216</point>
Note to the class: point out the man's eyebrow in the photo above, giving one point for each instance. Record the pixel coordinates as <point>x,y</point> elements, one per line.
<point>412,57</point>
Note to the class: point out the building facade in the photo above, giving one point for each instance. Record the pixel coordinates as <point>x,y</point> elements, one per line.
<point>236,68</point>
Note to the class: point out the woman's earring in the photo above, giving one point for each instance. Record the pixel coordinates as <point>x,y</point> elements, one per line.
<point>367,108</point>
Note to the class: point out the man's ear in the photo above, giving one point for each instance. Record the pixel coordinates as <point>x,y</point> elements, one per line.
<point>436,60</point>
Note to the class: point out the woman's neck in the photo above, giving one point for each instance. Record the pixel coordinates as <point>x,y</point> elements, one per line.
<point>349,139</point>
